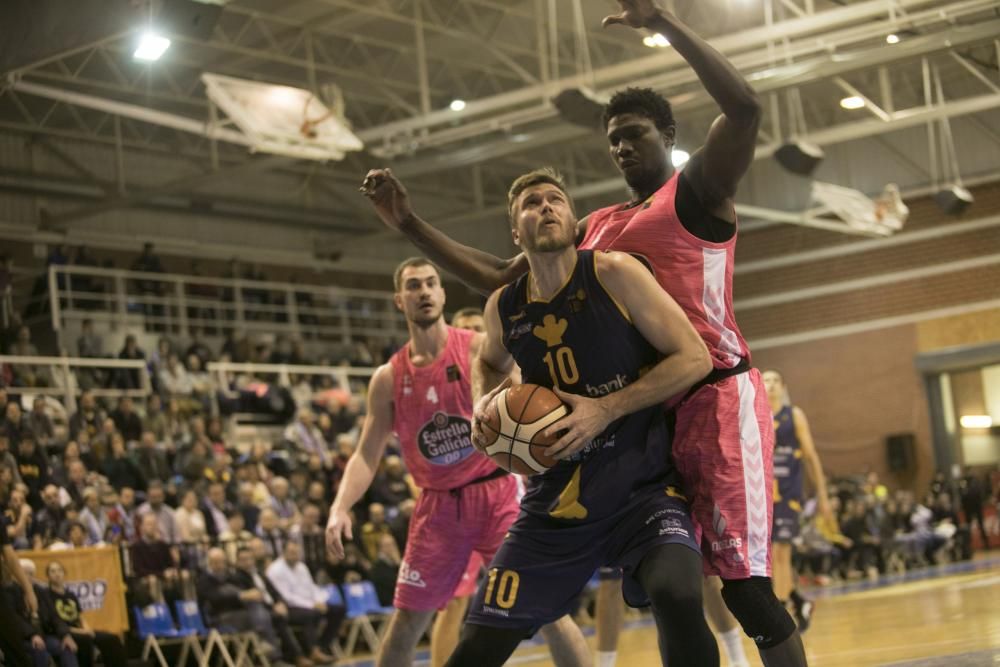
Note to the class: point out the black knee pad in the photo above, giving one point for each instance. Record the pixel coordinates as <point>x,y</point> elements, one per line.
<point>754,604</point>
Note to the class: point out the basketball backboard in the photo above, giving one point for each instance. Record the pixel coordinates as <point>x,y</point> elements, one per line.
<point>883,216</point>
<point>282,119</point>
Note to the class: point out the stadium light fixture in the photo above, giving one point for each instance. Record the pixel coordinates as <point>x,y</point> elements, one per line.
<point>457,105</point>
<point>679,157</point>
<point>976,421</point>
<point>852,103</point>
<point>656,41</point>
<point>151,47</point>
<point>892,39</point>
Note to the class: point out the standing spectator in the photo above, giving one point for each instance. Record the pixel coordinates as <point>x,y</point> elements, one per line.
<point>296,585</point>
<point>67,607</point>
<point>127,421</point>
<point>156,506</point>
<point>973,496</point>
<point>130,378</point>
<point>149,287</point>
<point>26,375</point>
<point>120,469</point>
<point>89,344</point>
<point>87,418</point>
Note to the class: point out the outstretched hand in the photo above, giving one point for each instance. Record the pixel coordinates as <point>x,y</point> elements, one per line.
<point>479,413</point>
<point>635,14</point>
<point>387,194</point>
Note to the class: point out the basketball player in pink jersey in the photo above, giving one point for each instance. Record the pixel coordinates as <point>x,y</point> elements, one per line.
<point>684,226</point>
<point>466,503</point>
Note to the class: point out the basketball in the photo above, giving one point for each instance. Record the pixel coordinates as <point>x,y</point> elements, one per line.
<point>514,422</point>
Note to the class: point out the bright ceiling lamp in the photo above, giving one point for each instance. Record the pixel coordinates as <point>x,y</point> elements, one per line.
<point>457,105</point>
<point>976,421</point>
<point>892,39</point>
<point>151,47</point>
<point>852,103</point>
<point>679,157</point>
<point>656,41</point>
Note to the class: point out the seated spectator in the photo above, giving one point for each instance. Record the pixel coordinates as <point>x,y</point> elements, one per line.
<point>310,535</point>
<point>126,514</point>
<point>306,438</point>
<point>47,636</point>
<point>100,445</point>
<point>88,417</point>
<point>216,508</point>
<point>392,484</point>
<point>175,381</point>
<point>130,378</point>
<point>373,530</point>
<point>282,504</point>
<point>155,505</point>
<point>247,506</point>
<point>234,535</point>
<point>247,577</point>
<point>225,604</point>
<point>194,462</point>
<point>127,422</point>
<point>155,563</point>
<point>68,609</point>
<point>190,520</point>
<point>351,568</point>
<point>93,517</point>
<point>50,523</point>
<point>298,589</point>
<point>77,479</point>
<point>15,425</point>
<point>33,468</point>
<point>151,460</point>
<point>7,458</point>
<point>385,569</point>
<point>400,524</point>
<point>40,424</point>
<point>201,382</point>
<point>89,344</point>
<point>19,517</point>
<point>120,469</point>
<point>76,538</point>
<point>27,375</point>
<point>269,530</point>
<point>317,495</point>
<point>198,348</point>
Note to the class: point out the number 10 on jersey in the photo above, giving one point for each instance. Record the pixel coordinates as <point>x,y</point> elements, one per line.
<point>562,366</point>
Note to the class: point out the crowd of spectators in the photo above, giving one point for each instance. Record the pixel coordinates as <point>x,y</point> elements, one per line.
<point>237,528</point>
<point>882,532</point>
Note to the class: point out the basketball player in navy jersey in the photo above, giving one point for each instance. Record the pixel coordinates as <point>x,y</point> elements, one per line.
<point>685,225</point>
<point>793,451</point>
<point>597,329</point>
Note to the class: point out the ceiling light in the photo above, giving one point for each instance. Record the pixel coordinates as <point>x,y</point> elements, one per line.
<point>151,47</point>
<point>853,102</point>
<point>976,421</point>
<point>457,105</point>
<point>892,39</point>
<point>679,157</point>
<point>656,41</point>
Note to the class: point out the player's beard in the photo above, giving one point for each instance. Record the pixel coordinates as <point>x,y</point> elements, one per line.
<point>550,242</point>
<point>426,321</point>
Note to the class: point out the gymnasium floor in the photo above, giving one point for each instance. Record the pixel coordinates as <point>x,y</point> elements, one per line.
<point>948,615</point>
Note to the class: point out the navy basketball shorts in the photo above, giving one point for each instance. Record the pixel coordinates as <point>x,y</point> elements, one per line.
<point>544,563</point>
<point>786,522</point>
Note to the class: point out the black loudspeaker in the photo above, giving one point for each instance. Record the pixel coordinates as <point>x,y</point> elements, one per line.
<point>901,451</point>
<point>953,200</point>
<point>580,107</point>
<point>799,157</point>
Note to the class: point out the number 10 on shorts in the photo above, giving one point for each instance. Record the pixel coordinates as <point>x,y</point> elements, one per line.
<point>505,585</point>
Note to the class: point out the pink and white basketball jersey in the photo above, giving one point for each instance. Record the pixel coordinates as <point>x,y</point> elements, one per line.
<point>432,413</point>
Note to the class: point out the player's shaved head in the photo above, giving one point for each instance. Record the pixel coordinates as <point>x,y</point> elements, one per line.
<point>412,262</point>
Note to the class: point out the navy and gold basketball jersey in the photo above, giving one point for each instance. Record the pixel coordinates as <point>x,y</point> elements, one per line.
<point>582,342</point>
<point>787,461</point>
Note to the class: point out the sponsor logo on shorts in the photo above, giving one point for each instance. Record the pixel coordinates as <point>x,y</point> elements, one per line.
<point>410,577</point>
<point>670,526</point>
<point>445,439</point>
<point>731,543</point>
<point>495,612</point>
<point>667,510</point>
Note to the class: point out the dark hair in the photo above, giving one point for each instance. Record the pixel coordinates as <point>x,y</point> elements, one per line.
<point>397,276</point>
<point>643,101</point>
<point>531,179</point>
<point>467,312</point>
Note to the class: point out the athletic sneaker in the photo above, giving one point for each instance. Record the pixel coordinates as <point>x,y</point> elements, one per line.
<point>803,615</point>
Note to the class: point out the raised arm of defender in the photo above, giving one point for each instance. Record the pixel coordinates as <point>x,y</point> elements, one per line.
<point>364,462</point>
<point>477,269</point>
<point>661,322</point>
<point>715,170</point>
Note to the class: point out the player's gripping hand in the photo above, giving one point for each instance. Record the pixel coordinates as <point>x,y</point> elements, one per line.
<point>387,194</point>
<point>635,14</point>
<point>587,420</point>
<point>479,438</point>
<point>337,527</point>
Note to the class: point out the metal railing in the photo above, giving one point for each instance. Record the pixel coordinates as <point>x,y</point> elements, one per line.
<point>177,303</point>
<point>59,376</point>
<point>282,374</point>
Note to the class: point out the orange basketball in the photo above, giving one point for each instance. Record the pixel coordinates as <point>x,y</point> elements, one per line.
<point>514,422</point>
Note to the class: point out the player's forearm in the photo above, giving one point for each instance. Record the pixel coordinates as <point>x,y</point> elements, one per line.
<point>485,378</point>
<point>672,376</point>
<point>815,471</point>
<point>477,269</point>
<point>358,476</point>
<point>732,92</point>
